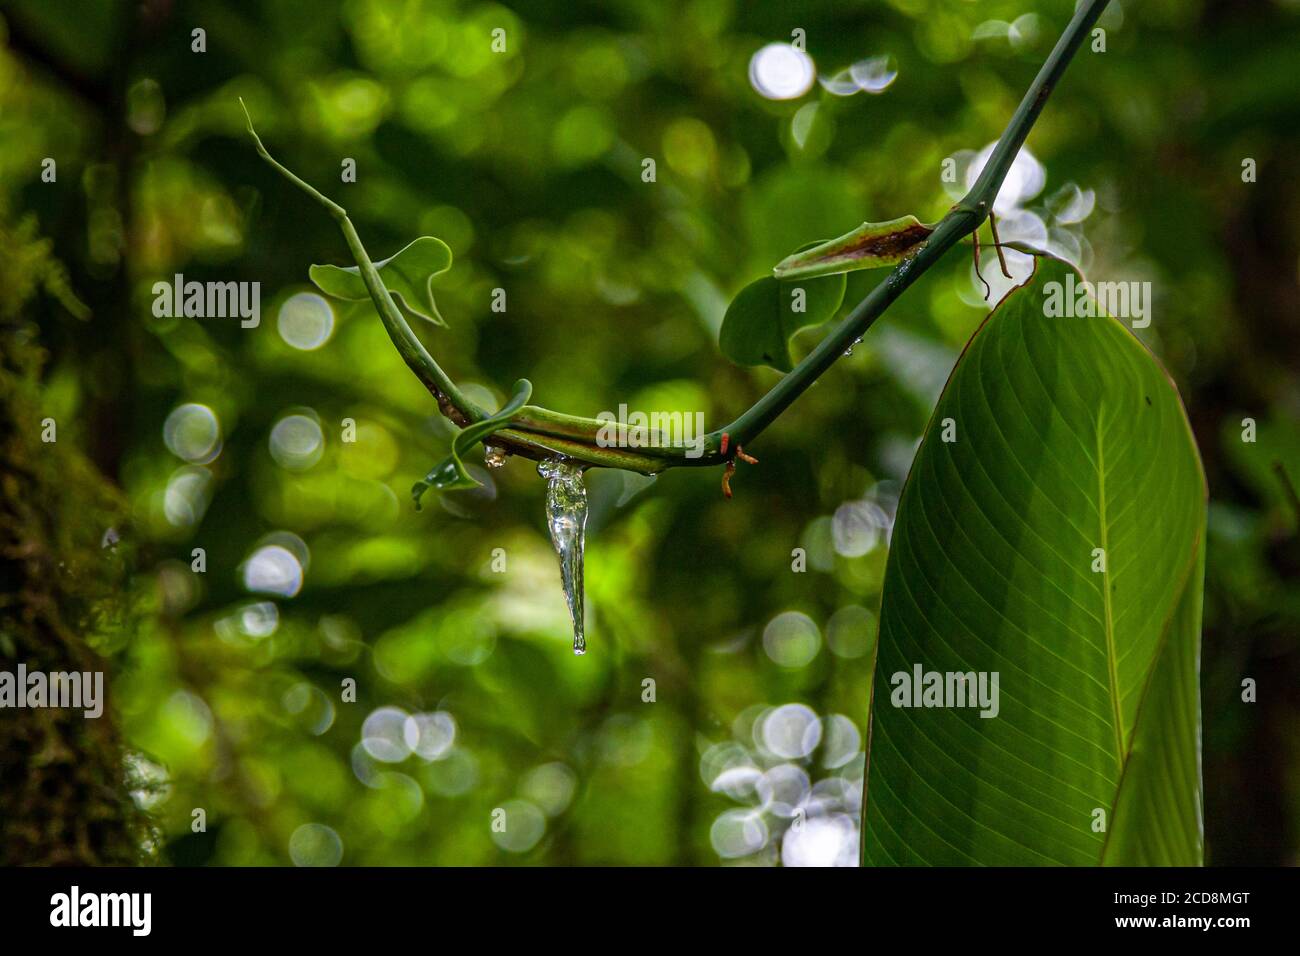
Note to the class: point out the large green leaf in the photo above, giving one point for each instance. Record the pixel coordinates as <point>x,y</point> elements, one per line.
<point>408,275</point>
<point>1064,436</point>
<point>765,315</point>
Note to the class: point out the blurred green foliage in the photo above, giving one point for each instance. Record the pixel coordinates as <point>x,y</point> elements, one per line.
<point>528,163</point>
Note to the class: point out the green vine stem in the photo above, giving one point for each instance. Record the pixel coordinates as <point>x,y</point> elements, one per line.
<point>539,433</point>
<point>451,400</point>
<point>962,220</point>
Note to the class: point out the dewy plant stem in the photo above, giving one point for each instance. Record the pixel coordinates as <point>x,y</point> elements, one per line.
<point>540,433</point>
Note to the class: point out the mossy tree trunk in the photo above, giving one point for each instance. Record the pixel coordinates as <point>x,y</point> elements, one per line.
<point>64,795</point>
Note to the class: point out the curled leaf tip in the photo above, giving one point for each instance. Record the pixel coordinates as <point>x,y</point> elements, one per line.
<point>870,246</point>
<point>450,474</point>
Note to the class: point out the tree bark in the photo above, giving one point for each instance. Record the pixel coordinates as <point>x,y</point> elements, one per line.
<point>64,793</point>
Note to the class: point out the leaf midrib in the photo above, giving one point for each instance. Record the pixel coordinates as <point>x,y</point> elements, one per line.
<point>1112,659</point>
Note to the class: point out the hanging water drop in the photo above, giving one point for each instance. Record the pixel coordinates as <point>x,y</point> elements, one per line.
<point>566,517</point>
<point>494,456</point>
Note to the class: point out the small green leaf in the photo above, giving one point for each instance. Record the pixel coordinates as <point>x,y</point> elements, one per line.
<point>408,275</point>
<point>870,246</point>
<point>765,315</point>
<point>450,474</point>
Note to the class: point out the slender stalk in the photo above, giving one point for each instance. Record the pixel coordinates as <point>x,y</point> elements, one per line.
<point>451,400</point>
<point>540,432</point>
<point>963,219</point>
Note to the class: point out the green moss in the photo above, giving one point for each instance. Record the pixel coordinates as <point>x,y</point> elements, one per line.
<point>64,794</point>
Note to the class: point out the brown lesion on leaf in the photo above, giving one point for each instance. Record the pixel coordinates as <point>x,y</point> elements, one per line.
<point>895,245</point>
<point>886,246</point>
<point>870,244</point>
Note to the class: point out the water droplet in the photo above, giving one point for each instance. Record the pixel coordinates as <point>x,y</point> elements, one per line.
<point>566,518</point>
<point>494,456</point>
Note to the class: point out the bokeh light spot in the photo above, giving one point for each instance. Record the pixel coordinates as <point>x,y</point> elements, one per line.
<point>874,74</point>
<point>791,731</point>
<point>737,833</point>
<point>297,442</point>
<point>383,735</point>
<point>551,786</point>
<point>314,844</point>
<point>523,825</point>
<point>822,841</point>
<point>840,741</point>
<point>305,321</point>
<point>792,639</point>
<point>780,72</point>
<point>273,569</point>
<point>193,432</point>
<point>430,735</point>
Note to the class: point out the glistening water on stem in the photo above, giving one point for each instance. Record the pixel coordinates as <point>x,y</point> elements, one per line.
<point>566,517</point>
